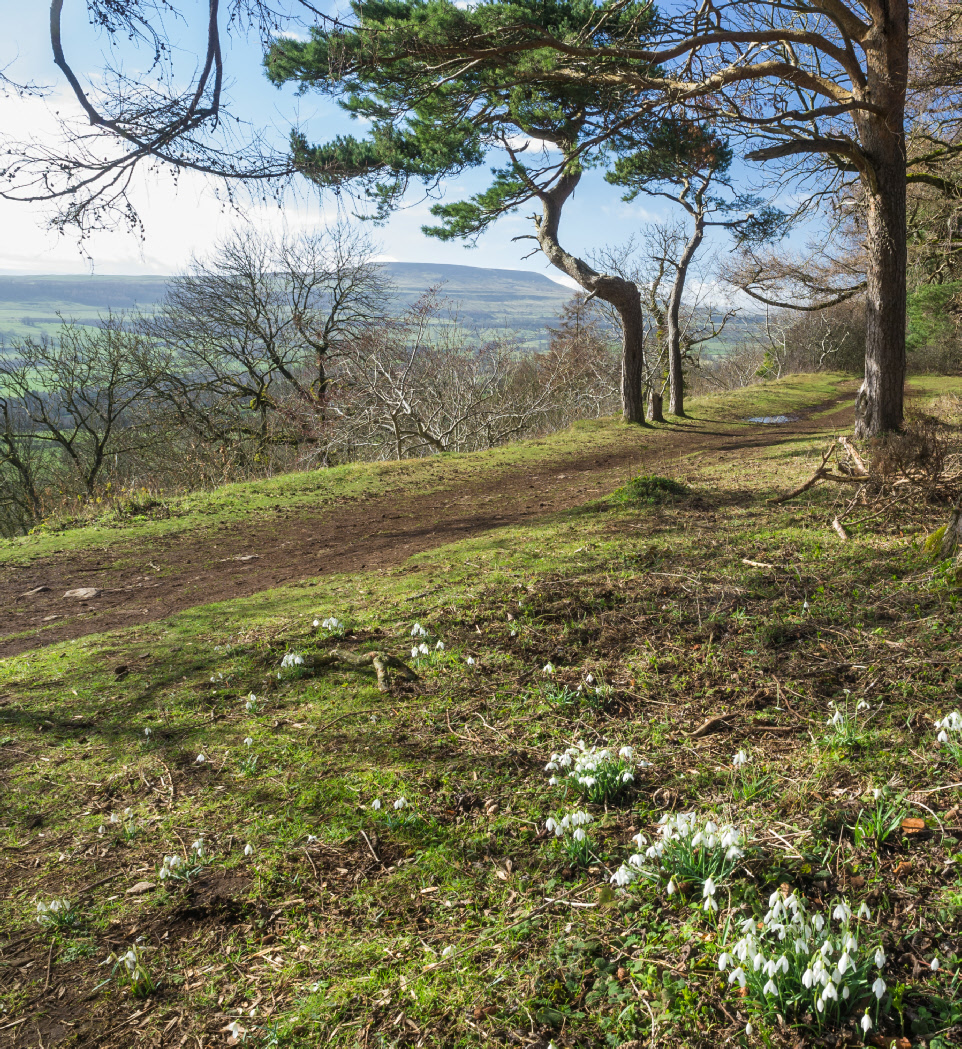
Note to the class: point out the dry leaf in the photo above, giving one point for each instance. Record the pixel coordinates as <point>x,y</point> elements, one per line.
<point>903,869</point>
<point>913,825</point>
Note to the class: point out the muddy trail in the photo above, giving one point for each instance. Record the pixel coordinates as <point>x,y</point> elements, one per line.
<point>141,581</point>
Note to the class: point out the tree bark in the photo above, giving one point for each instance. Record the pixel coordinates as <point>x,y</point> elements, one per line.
<point>656,402</point>
<point>676,377</point>
<point>879,405</point>
<point>621,293</point>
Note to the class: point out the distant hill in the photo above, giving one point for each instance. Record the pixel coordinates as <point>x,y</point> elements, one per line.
<point>486,299</point>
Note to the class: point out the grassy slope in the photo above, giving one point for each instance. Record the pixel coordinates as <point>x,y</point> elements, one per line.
<point>236,502</point>
<point>327,935</point>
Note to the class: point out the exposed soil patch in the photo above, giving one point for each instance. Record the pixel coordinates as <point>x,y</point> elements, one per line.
<point>379,532</point>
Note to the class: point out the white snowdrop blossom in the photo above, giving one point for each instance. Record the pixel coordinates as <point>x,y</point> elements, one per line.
<point>171,867</point>
<point>376,804</point>
<point>248,850</point>
<point>866,1023</point>
<point>292,659</point>
<point>400,803</point>
<point>934,965</point>
<point>439,647</point>
<point>689,849</point>
<point>470,661</point>
<point>251,703</point>
<point>147,732</point>
<point>418,631</point>
<point>596,773</point>
<point>548,668</point>
<point>236,1031</point>
<point>741,758</point>
<point>56,912</point>
<point>330,623</point>
<point>570,834</point>
<point>784,960</point>
<point>447,952</point>
<point>198,847</point>
<point>248,741</point>
<point>200,759</point>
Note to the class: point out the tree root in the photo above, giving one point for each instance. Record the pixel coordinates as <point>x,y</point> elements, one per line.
<point>382,662</point>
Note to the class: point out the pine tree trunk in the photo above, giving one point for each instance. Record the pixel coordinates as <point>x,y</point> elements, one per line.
<point>632,356</point>
<point>879,404</point>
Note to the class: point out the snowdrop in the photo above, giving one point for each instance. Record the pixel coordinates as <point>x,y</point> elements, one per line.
<point>251,703</point>
<point>791,970</point>
<point>248,741</point>
<point>292,659</point>
<point>548,668</point>
<point>400,803</point>
<point>950,733</point>
<point>418,631</point>
<point>200,759</point>
<point>330,624</point>
<point>598,774</point>
<point>470,661</point>
<point>934,965</point>
<point>439,647</point>
<point>570,834</point>
<point>248,850</point>
<point>56,913</point>
<point>147,732</point>
<point>741,758</point>
<point>236,1032</point>
<point>376,804</point>
<point>132,967</point>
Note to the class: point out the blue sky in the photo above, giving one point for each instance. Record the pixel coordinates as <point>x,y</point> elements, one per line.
<point>186,218</point>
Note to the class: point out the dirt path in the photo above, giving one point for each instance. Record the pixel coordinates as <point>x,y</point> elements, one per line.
<point>168,574</point>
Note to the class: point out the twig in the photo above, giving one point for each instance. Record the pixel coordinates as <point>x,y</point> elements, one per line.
<point>313,868</point>
<point>49,963</point>
<point>370,849</point>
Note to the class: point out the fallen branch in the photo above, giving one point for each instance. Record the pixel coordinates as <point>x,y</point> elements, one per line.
<point>812,481</point>
<point>382,662</point>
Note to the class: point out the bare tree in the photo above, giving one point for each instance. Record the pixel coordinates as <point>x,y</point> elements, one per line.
<point>253,329</point>
<point>80,396</point>
<point>174,115</point>
<point>417,385</point>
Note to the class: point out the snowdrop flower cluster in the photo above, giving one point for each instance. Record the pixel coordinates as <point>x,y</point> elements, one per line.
<point>173,867</point>
<point>844,722</point>
<point>330,623</point>
<point>292,659</point>
<point>598,774</point>
<point>690,851</point>
<point>56,912</point>
<point>420,650</point>
<point>792,962</point>
<point>740,759</point>
<point>569,831</point>
<point>251,703</point>
<point>135,970</point>
<point>418,631</point>
<point>950,733</point>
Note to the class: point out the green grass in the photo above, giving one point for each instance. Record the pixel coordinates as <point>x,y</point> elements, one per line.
<point>334,930</point>
<point>314,490</point>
